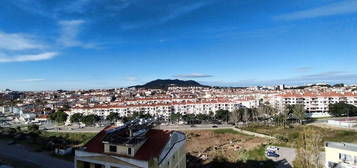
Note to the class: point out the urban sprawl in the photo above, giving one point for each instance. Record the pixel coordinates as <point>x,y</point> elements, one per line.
<point>35,107</point>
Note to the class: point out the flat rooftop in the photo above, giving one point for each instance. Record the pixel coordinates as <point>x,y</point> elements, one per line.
<point>342,146</point>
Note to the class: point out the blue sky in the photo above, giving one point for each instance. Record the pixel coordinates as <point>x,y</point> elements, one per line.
<point>73,44</point>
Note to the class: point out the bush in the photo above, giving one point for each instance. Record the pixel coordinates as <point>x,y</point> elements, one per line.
<point>33,128</point>
<point>282,138</point>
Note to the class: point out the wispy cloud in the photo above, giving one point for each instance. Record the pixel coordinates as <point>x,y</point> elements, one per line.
<point>132,78</point>
<point>303,69</point>
<point>338,8</point>
<point>325,77</point>
<point>193,75</point>
<point>17,47</point>
<point>77,6</point>
<point>24,58</point>
<point>173,14</point>
<point>70,30</point>
<point>15,41</point>
<point>30,80</point>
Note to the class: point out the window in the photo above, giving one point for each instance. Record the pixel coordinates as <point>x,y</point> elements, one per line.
<point>86,165</point>
<point>97,166</point>
<point>349,158</point>
<point>112,148</point>
<point>129,151</point>
<point>345,157</point>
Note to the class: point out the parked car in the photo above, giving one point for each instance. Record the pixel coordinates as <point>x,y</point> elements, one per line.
<point>272,154</point>
<point>272,148</point>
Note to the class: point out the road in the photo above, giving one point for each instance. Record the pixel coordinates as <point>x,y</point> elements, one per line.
<point>24,154</point>
<point>194,127</point>
<point>286,158</point>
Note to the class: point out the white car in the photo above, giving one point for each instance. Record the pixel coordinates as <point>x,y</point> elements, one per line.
<point>272,148</point>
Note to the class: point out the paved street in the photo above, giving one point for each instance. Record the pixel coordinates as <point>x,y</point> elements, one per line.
<point>194,127</point>
<point>287,156</point>
<point>22,153</point>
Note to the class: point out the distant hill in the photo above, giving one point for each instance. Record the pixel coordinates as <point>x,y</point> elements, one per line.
<point>165,83</point>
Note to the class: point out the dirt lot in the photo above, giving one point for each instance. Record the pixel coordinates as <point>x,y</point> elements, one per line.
<point>210,144</point>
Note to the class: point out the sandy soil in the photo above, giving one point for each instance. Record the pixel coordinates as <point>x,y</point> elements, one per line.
<point>207,144</point>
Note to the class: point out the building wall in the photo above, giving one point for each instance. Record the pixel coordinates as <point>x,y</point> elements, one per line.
<point>176,158</point>
<point>123,150</point>
<point>333,154</point>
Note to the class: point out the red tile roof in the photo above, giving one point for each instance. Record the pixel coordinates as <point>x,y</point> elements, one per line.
<point>154,145</point>
<point>95,144</point>
<point>157,140</point>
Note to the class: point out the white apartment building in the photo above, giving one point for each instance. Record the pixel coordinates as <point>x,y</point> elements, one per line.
<point>160,109</point>
<point>316,104</point>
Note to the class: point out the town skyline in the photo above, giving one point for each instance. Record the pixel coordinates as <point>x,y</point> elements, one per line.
<point>72,45</point>
<point>204,84</point>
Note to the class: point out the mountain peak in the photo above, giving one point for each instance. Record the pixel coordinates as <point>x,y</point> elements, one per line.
<point>165,83</point>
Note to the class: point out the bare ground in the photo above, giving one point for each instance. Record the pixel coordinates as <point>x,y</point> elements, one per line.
<point>207,144</point>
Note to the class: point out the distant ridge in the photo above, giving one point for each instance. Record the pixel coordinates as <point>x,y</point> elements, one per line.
<point>165,83</point>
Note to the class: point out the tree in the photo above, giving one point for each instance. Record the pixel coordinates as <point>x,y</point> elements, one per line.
<point>189,117</point>
<point>309,145</point>
<point>76,118</point>
<point>222,115</point>
<point>281,118</point>
<point>174,117</point>
<point>139,115</point>
<point>342,109</point>
<point>90,119</point>
<point>112,117</point>
<point>59,116</point>
<point>234,116</point>
<point>202,117</point>
<point>265,110</point>
<point>33,128</point>
<point>299,112</point>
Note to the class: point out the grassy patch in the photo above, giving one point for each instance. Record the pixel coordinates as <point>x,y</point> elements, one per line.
<point>226,131</point>
<point>231,131</point>
<point>257,153</point>
<point>80,138</point>
<point>287,136</point>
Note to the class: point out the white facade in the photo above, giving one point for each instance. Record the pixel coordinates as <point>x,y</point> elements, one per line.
<point>163,110</point>
<point>315,104</point>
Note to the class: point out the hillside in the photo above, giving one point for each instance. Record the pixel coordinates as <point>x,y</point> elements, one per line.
<point>165,83</point>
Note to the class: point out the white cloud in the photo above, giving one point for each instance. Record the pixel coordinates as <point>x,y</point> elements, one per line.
<point>193,75</point>
<point>339,8</point>
<point>70,30</point>
<point>303,69</point>
<point>19,42</point>
<point>331,77</point>
<point>132,79</point>
<point>25,58</point>
<point>31,80</point>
